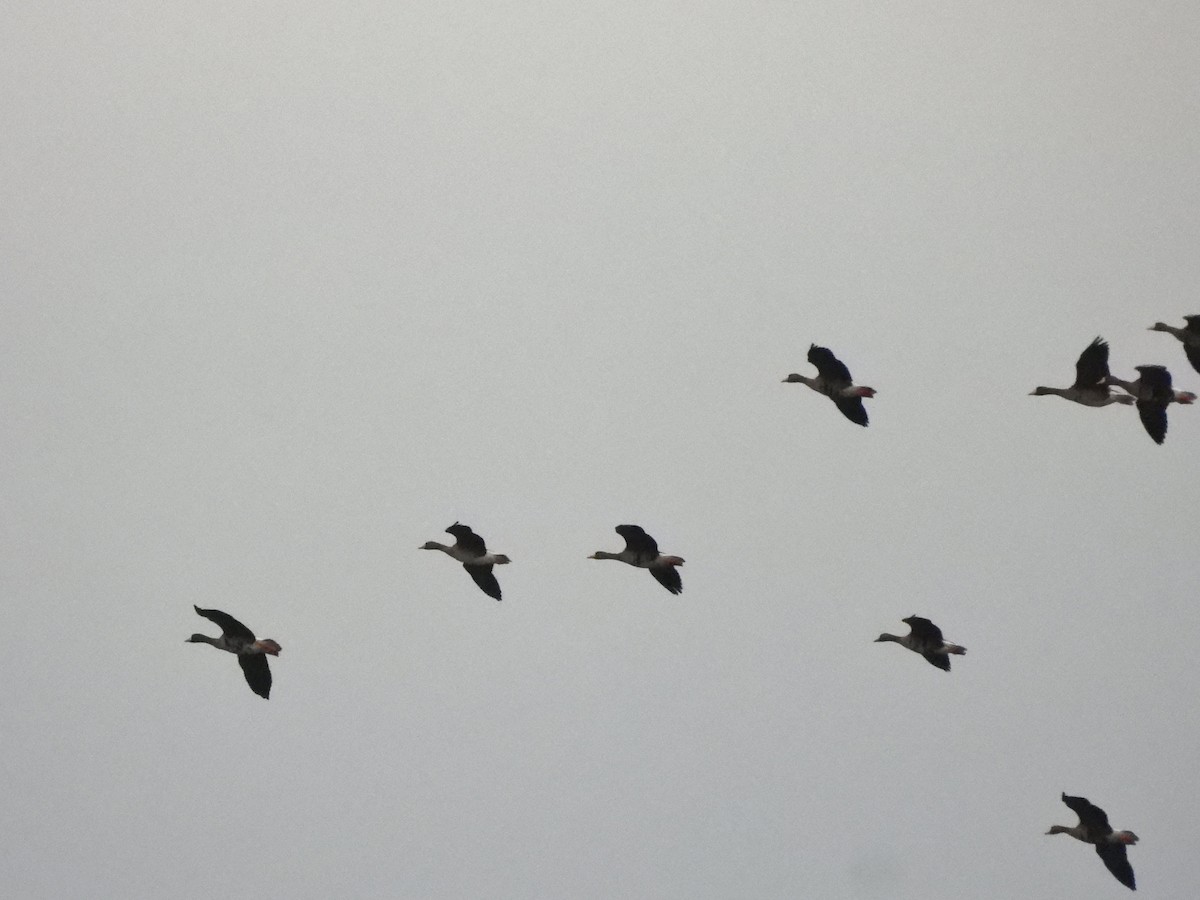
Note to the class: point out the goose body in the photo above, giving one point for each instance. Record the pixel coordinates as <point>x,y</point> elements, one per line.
<point>1093,828</point>
<point>834,381</point>
<point>925,638</point>
<point>470,550</point>
<point>238,639</point>
<point>641,551</point>
<point>1091,387</point>
<point>1152,393</point>
<point>1189,336</point>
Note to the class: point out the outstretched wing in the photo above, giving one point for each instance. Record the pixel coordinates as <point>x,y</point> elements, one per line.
<point>1193,355</point>
<point>1092,367</point>
<point>925,635</point>
<point>467,540</point>
<point>1156,382</point>
<point>482,576</point>
<point>829,366</point>
<point>1117,862</point>
<point>668,577</point>
<point>941,660</point>
<point>637,541</point>
<point>257,672</point>
<point>1154,419</point>
<point>853,409</point>
<point>1092,817</point>
<point>227,623</point>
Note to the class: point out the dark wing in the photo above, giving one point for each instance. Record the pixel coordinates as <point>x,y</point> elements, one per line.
<point>668,577</point>
<point>829,366</point>
<point>852,408</point>
<point>1092,817</point>
<point>1092,367</point>
<point>1117,862</point>
<point>1157,379</point>
<point>1154,419</point>
<point>941,660</point>
<point>637,541</point>
<point>1193,355</point>
<point>925,635</point>
<point>482,576</point>
<point>257,672</point>
<point>1193,324</point>
<point>467,539</point>
<point>227,623</point>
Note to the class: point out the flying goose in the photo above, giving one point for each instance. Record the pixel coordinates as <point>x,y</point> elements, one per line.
<point>1152,393</point>
<point>470,550</point>
<point>1093,828</point>
<point>641,550</point>
<point>1090,387</point>
<point>925,638</point>
<point>237,638</point>
<point>1188,334</point>
<point>834,381</point>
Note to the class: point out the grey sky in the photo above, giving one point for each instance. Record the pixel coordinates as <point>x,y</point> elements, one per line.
<point>290,287</point>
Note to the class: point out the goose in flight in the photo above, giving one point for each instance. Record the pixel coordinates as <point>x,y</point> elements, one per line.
<point>834,381</point>
<point>470,550</point>
<point>237,638</point>
<point>1093,828</point>
<point>925,638</point>
<point>641,550</point>
<point>1091,387</point>
<point>1189,335</point>
<point>1152,393</point>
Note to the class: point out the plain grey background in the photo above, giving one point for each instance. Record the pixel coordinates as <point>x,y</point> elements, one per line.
<point>290,287</point>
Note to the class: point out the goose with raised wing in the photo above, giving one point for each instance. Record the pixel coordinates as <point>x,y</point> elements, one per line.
<point>1189,335</point>
<point>641,551</point>
<point>1152,393</point>
<point>238,639</point>
<point>1091,387</point>
<point>470,550</point>
<point>1093,828</point>
<point>834,381</point>
<point>925,638</point>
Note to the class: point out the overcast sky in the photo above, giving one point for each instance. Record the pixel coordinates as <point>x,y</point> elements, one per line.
<point>291,287</point>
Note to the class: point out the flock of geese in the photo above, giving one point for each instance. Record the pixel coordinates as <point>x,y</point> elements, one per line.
<point>1151,393</point>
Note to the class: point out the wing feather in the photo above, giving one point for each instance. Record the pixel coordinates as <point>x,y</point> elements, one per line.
<point>257,672</point>
<point>227,623</point>
<point>482,576</point>
<point>829,366</point>
<point>637,541</point>
<point>1117,861</point>
<point>668,577</point>
<point>1092,367</point>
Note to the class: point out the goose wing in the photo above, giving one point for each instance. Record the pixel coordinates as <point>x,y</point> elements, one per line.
<point>1154,419</point>
<point>828,366</point>
<point>482,576</point>
<point>637,541</point>
<point>227,623</point>
<point>1092,367</point>
<point>668,577</point>
<point>925,635</point>
<point>853,409</point>
<point>1117,862</point>
<point>467,540</point>
<point>1156,381</point>
<point>1193,354</point>
<point>257,672</point>
<point>941,660</point>
<point>1091,817</point>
